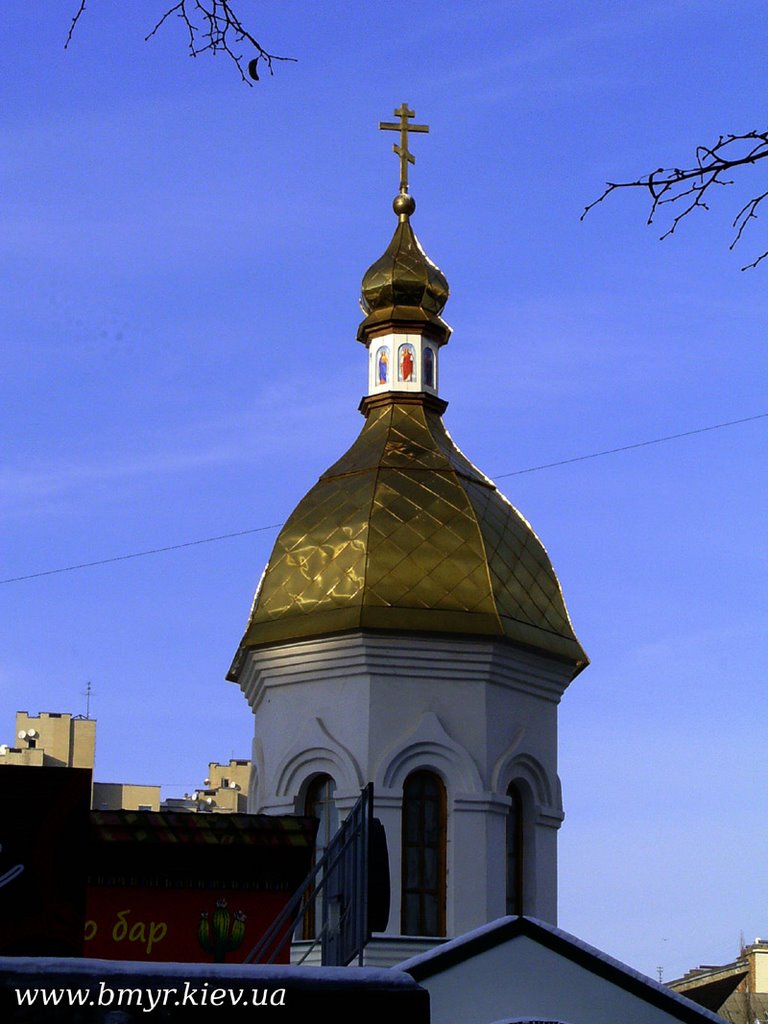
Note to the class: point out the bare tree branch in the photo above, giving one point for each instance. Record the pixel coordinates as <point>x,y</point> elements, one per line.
<point>75,20</point>
<point>690,187</point>
<point>212,26</point>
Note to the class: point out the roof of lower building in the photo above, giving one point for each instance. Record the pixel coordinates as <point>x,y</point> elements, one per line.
<point>507,929</point>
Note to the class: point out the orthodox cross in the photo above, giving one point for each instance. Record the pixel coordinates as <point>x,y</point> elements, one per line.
<point>402,126</point>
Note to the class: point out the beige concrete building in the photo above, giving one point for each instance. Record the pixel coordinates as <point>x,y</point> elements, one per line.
<point>225,790</point>
<point>738,991</point>
<point>53,739</point>
<point>228,783</point>
<point>122,796</point>
<point>60,740</point>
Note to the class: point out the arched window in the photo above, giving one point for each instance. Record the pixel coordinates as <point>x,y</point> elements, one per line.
<point>423,862</point>
<point>382,365</point>
<point>515,854</point>
<point>319,803</point>
<point>406,362</point>
<point>429,367</point>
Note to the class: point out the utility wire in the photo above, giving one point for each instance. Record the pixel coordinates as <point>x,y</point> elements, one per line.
<point>140,554</point>
<point>276,526</point>
<point>628,447</point>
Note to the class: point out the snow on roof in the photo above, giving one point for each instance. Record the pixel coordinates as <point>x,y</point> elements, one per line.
<point>260,974</point>
<point>472,943</point>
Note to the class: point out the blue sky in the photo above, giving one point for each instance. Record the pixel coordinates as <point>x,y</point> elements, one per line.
<point>180,260</point>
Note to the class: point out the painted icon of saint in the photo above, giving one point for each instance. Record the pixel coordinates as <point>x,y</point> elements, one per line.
<point>406,362</point>
<point>382,363</point>
<point>429,368</point>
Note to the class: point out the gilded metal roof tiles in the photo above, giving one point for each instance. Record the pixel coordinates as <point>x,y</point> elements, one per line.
<point>404,533</point>
<point>404,284</point>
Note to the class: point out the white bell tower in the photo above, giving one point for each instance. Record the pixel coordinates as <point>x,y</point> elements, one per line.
<point>409,630</point>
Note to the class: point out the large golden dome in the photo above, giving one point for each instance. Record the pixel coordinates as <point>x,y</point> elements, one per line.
<point>404,533</point>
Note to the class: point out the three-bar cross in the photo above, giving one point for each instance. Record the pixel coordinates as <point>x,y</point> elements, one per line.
<point>402,126</point>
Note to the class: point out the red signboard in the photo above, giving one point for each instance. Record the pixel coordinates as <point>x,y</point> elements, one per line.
<point>178,924</point>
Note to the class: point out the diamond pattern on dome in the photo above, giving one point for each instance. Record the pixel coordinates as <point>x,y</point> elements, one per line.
<point>445,444</point>
<point>319,556</point>
<point>368,449</point>
<point>425,528</point>
<point>404,532</point>
<point>524,583</point>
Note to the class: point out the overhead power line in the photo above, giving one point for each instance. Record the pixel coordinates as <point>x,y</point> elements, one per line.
<point>141,554</point>
<point>276,526</point>
<point>629,447</point>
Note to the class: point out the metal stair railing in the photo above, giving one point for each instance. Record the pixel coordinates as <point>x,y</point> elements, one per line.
<point>336,911</point>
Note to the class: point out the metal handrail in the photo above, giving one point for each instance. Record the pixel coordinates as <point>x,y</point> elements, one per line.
<point>316,881</point>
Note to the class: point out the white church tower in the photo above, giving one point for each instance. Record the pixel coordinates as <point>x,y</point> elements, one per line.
<point>409,630</point>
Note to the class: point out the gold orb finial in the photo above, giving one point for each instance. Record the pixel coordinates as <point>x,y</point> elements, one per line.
<point>403,204</point>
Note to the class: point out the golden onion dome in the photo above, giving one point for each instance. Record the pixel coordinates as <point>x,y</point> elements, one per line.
<point>404,534</point>
<point>404,285</point>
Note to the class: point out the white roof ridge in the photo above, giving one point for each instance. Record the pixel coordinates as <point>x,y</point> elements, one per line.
<point>417,964</point>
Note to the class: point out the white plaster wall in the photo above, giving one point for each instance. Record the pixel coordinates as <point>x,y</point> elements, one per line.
<point>521,978</point>
<point>393,343</point>
<point>365,707</point>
